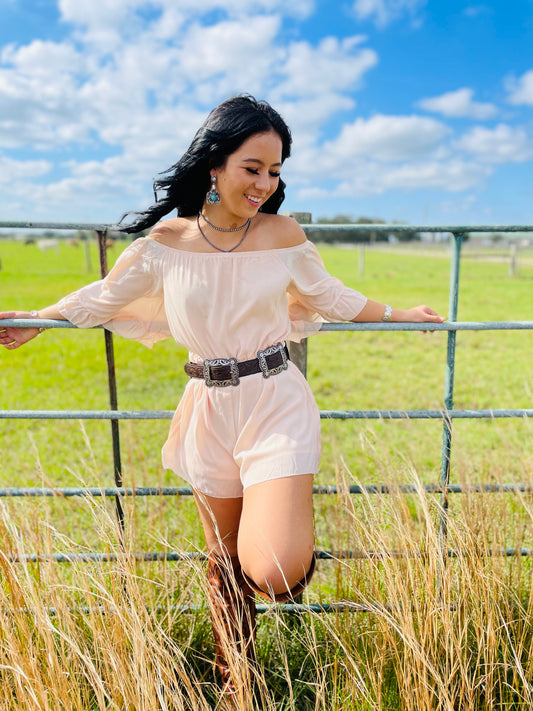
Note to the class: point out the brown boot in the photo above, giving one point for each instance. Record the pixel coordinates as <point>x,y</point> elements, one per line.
<point>232,608</point>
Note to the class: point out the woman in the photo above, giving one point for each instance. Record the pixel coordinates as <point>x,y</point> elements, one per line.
<point>232,281</point>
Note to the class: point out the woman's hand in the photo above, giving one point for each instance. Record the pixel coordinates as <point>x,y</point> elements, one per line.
<point>12,337</point>
<point>420,314</point>
<point>373,311</point>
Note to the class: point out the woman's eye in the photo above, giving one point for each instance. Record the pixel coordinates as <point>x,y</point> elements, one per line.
<point>255,171</point>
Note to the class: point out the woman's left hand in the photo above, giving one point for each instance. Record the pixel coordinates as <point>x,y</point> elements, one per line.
<point>421,314</point>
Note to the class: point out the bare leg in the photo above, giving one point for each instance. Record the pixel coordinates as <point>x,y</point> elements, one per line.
<point>231,599</point>
<point>220,521</point>
<point>270,529</point>
<point>270,533</point>
<point>276,536</point>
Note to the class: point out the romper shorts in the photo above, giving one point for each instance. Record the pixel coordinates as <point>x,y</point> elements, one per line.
<point>225,439</point>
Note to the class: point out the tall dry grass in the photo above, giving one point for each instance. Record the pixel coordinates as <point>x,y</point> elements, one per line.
<point>440,631</point>
<point>85,637</point>
<point>449,621</point>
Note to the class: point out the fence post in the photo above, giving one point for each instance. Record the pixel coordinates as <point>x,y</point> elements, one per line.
<point>512,263</point>
<point>448,389</point>
<point>87,245</point>
<point>113,400</point>
<point>298,351</point>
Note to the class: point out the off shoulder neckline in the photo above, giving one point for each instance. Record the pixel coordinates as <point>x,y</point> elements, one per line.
<point>231,254</point>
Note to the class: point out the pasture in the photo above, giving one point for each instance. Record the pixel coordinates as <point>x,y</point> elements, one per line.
<point>441,634</point>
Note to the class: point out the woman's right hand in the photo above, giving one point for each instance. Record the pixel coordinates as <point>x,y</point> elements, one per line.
<point>11,337</point>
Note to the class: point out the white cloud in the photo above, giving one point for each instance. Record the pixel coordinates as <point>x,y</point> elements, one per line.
<point>459,104</point>
<point>387,139</point>
<point>318,82</point>
<point>38,106</point>
<point>94,16</point>
<point>135,79</point>
<point>39,57</point>
<point>18,186</point>
<point>307,115</point>
<point>521,89</point>
<point>454,175</point>
<point>370,157</point>
<point>383,153</point>
<point>333,65</point>
<point>13,170</point>
<point>383,12</point>
<point>105,12</point>
<point>57,93</point>
<point>372,178</point>
<point>502,144</point>
<point>228,59</point>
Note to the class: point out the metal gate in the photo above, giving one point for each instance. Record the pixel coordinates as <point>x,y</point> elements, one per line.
<point>447,414</point>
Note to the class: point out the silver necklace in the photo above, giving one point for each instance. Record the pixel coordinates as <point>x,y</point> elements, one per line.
<point>214,245</point>
<point>225,229</point>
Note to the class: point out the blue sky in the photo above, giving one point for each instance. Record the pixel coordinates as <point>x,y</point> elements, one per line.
<point>412,110</point>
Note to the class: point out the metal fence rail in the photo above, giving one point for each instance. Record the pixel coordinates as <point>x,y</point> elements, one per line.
<point>447,414</point>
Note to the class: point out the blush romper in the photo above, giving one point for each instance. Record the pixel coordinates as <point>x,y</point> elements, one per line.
<point>222,305</point>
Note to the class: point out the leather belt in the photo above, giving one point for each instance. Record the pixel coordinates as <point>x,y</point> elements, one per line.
<point>221,372</point>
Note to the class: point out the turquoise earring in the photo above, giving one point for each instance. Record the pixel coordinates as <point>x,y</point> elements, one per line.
<point>213,196</point>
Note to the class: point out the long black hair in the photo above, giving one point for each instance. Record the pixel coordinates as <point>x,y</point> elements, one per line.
<point>224,131</point>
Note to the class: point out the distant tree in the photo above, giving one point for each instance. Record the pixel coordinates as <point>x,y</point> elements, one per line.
<point>348,236</point>
<point>337,220</point>
<point>407,235</point>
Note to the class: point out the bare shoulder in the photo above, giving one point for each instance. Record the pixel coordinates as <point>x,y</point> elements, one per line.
<point>171,232</point>
<point>284,231</point>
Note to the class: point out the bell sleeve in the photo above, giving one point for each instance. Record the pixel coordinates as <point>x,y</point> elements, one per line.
<point>129,301</point>
<point>315,296</point>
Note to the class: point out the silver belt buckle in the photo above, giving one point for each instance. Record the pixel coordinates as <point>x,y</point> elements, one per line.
<point>234,372</point>
<point>262,356</point>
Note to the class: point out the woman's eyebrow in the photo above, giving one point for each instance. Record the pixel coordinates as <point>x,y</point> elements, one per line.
<point>256,160</point>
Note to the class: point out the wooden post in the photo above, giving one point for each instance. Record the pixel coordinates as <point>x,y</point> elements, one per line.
<point>298,351</point>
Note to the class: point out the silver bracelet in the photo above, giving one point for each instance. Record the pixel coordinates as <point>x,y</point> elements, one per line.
<point>387,314</point>
<point>35,314</point>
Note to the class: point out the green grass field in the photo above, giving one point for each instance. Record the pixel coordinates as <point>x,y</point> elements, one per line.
<point>66,370</point>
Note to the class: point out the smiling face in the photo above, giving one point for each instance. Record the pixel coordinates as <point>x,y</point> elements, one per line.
<point>248,178</point>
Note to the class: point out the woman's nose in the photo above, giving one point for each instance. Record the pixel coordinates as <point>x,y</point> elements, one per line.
<point>262,181</point>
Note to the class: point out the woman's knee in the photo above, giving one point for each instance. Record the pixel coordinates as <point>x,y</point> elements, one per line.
<point>276,537</point>
<point>278,576</point>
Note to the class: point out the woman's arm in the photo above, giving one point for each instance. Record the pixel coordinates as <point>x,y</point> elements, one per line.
<point>12,337</point>
<point>373,311</point>
<point>129,301</point>
<point>315,290</point>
